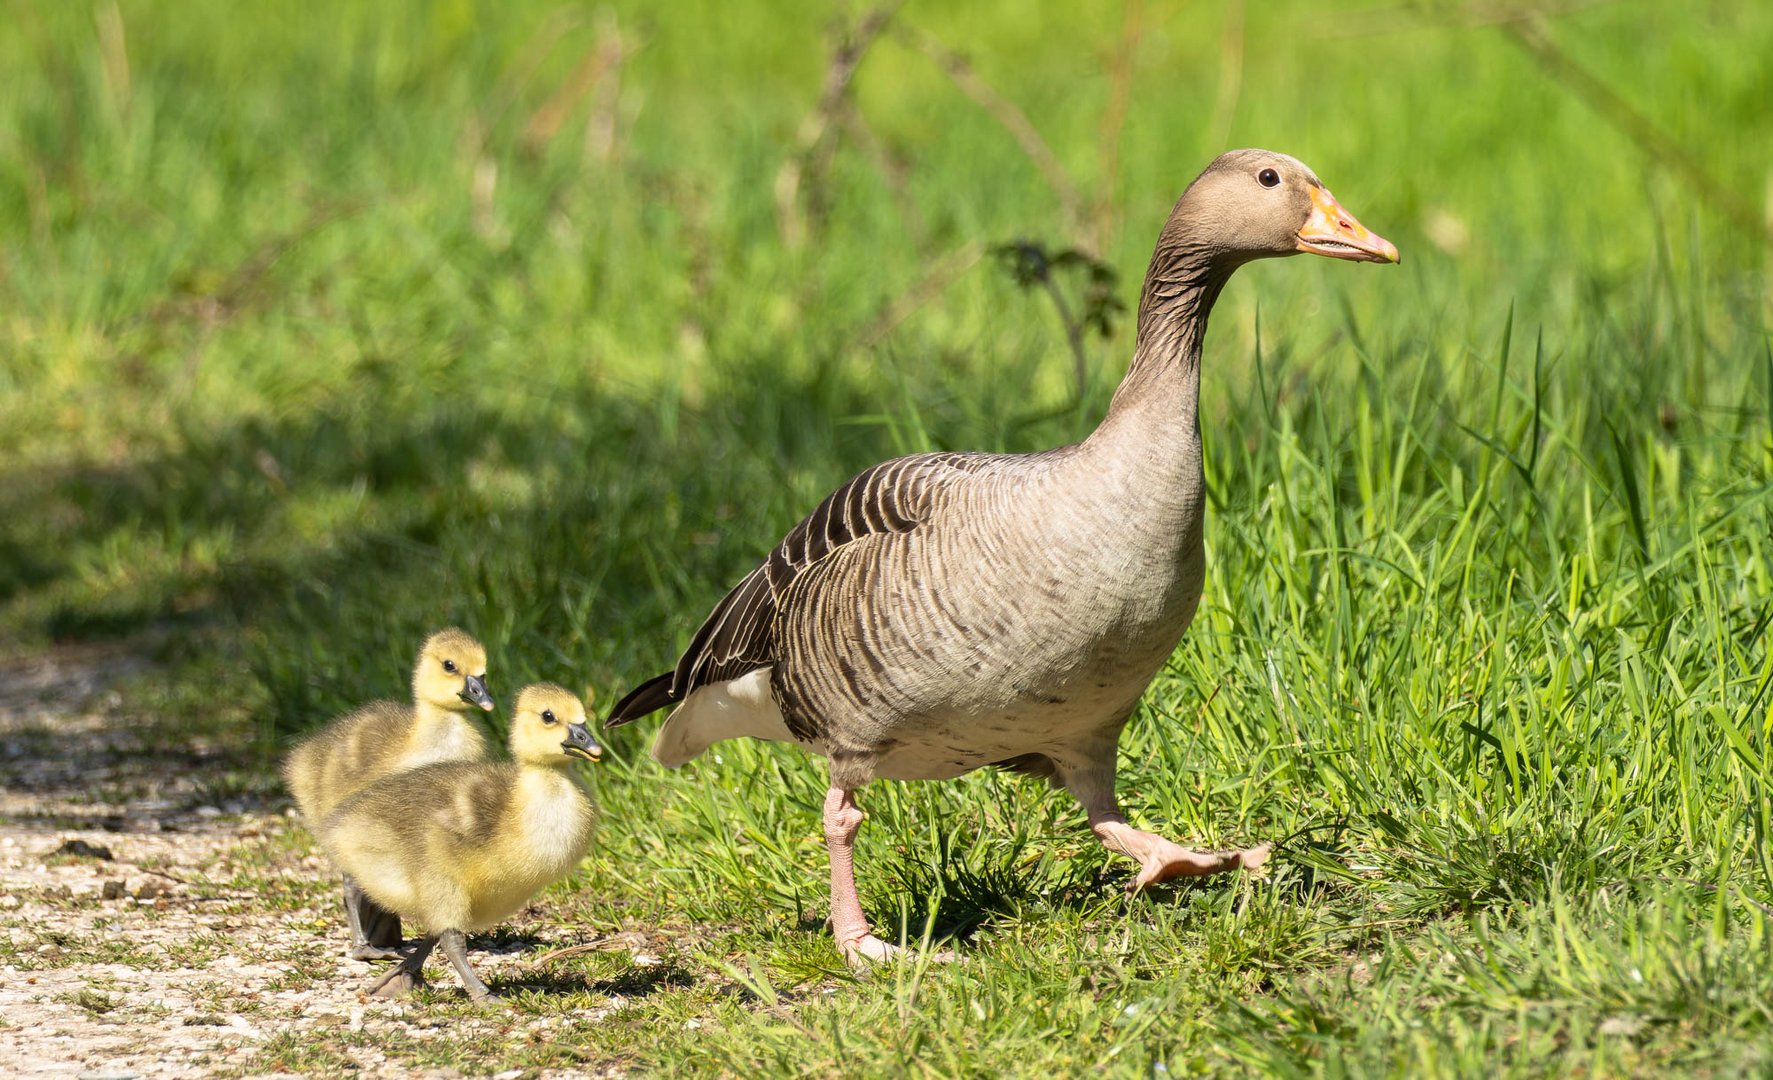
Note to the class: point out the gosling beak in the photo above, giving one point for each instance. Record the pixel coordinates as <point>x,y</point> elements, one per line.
<point>1333,231</point>
<point>474,692</point>
<point>580,744</point>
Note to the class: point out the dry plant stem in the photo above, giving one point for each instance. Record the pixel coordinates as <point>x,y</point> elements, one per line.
<point>1073,336</point>
<point>600,945</point>
<point>1005,112</point>
<point>1103,217</point>
<point>114,59</point>
<point>818,132</point>
<point>603,125</point>
<point>945,272</point>
<point>518,74</point>
<point>548,119</point>
<point>209,311</point>
<point>1231,74</point>
<point>897,177</point>
<point>1417,16</point>
<point>1530,35</point>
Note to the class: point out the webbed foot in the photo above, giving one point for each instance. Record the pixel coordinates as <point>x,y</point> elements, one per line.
<point>861,952</point>
<point>408,975</point>
<point>398,983</point>
<point>1164,859</point>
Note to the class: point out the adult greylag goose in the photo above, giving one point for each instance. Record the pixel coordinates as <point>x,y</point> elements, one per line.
<point>384,737</point>
<point>461,845</point>
<point>946,611</point>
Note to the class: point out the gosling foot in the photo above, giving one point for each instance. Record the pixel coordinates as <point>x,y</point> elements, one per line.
<point>408,975</point>
<point>455,946</point>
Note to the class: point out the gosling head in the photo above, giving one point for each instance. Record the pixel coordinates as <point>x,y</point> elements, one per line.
<point>1257,204</point>
<point>548,727</point>
<point>451,672</point>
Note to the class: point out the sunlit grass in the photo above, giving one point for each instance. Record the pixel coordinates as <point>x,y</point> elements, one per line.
<point>309,348</point>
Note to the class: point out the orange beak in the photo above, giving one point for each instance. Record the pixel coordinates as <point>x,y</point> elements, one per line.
<point>1332,231</point>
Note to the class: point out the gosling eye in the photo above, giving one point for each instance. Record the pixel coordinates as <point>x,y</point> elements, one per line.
<point>449,666</point>
<point>1268,178</point>
<point>548,716</point>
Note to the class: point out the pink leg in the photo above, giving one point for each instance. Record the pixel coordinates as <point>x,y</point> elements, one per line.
<point>1159,859</point>
<point>843,819</point>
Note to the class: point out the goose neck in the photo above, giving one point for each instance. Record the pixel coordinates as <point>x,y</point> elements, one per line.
<point>1161,390</point>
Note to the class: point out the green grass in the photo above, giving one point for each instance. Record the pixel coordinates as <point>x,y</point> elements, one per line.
<point>309,350</point>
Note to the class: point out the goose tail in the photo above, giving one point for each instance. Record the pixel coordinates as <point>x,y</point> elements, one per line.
<point>650,696</point>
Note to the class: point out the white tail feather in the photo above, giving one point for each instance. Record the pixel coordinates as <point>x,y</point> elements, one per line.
<point>738,707</point>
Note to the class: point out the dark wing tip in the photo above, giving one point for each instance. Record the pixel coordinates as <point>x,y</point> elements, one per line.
<point>650,696</point>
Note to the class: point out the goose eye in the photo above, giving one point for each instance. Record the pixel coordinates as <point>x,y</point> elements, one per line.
<point>548,716</point>
<point>449,666</point>
<point>1268,178</point>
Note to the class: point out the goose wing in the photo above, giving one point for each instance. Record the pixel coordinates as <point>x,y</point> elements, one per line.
<point>739,634</point>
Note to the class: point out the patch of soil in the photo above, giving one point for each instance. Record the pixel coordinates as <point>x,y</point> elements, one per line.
<point>149,928</point>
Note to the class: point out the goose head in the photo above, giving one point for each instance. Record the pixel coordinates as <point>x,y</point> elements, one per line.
<point>548,727</point>
<point>1257,204</point>
<point>451,672</point>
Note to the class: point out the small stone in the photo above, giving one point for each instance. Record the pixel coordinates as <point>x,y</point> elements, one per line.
<point>109,1074</point>
<point>83,849</point>
<point>1622,1025</point>
<point>208,811</point>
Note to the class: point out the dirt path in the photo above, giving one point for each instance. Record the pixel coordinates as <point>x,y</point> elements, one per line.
<point>160,915</point>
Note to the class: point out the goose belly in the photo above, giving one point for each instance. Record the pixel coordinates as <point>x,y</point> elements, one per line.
<point>1031,656</point>
<point>949,743</point>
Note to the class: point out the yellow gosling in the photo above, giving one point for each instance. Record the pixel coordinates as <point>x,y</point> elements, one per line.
<point>460,846</point>
<point>385,737</point>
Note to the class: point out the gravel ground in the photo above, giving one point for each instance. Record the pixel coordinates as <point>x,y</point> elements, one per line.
<point>151,927</point>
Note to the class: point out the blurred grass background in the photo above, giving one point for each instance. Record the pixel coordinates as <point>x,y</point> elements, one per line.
<point>327,324</point>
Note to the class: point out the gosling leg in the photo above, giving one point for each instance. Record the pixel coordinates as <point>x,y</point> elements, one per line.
<point>408,975</point>
<point>375,932</point>
<point>381,927</point>
<point>454,946</point>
